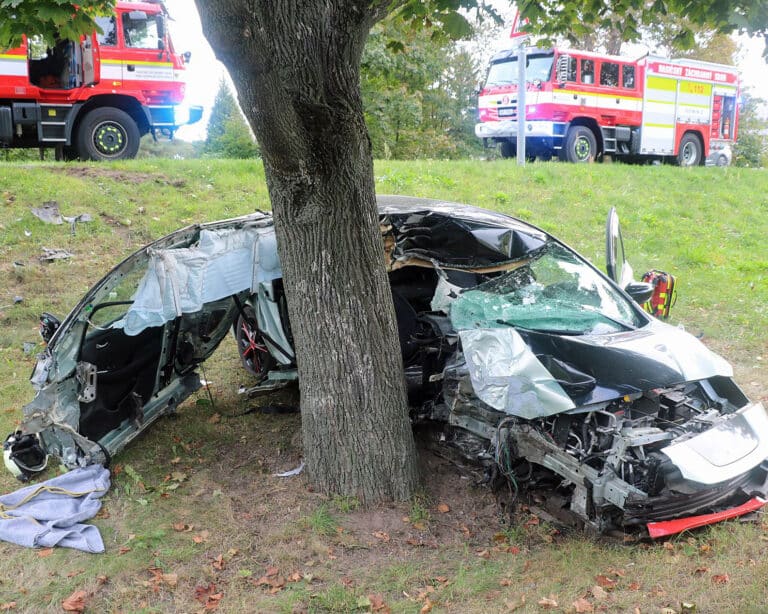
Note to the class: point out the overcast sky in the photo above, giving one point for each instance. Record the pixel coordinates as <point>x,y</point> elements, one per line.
<point>204,71</point>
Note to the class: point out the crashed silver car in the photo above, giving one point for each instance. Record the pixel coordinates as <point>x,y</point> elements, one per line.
<point>518,353</point>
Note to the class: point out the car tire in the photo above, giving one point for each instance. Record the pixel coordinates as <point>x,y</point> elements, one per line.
<point>690,152</point>
<point>108,134</point>
<point>580,145</point>
<point>251,346</point>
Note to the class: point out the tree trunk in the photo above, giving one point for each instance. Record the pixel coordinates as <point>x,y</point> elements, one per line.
<point>296,65</point>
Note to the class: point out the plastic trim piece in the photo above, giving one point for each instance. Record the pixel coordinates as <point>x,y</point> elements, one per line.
<point>672,527</point>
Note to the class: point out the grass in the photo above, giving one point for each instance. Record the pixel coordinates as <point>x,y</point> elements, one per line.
<point>195,497</point>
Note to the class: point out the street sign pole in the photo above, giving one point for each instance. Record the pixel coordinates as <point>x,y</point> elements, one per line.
<point>521,83</point>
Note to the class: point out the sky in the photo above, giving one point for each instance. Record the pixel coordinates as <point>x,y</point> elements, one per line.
<point>205,71</point>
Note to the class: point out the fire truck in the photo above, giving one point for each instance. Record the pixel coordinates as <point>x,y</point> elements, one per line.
<point>96,97</point>
<point>584,106</point>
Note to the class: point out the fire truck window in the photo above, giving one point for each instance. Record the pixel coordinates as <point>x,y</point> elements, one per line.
<point>628,76</point>
<point>140,33</point>
<point>571,69</point>
<point>587,71</point>
<point>609,74</point>
<point>108,26</point>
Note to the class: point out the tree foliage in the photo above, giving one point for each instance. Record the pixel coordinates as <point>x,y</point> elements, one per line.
<point>418,95</point>
<point>228,134</point>
<point>552,18</point>
<point>51,19</point>
<point>752,145</point>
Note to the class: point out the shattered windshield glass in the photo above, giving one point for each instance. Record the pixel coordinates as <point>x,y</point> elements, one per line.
<point>553,291</point>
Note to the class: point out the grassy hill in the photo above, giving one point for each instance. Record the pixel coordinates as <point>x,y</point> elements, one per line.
<point>199,487</point>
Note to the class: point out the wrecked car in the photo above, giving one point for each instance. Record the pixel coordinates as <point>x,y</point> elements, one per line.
<point>518,353</point>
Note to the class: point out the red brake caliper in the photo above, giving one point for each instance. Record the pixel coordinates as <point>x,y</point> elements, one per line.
<point>253,347</point>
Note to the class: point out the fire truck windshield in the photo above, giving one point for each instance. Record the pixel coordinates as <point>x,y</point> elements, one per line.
<point>537,68</point>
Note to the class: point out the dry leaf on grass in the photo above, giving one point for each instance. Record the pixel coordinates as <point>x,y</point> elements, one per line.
<point>514,605</point>
<point>381,535</point>
<point>201,537</point>
<point>219,563</point>
<point>427,607</point>
<point>208,596</point>
<point>598,592</point>
<point>214,419</point>
<point>377,604</point>
<point>721,578</point>
<point>581,605</point>
<point>548,602</point>
<point>10,605</point>
<point>605,581</point>
<point>443,508</point>
<point>45,552</point>
<point>75,602</point>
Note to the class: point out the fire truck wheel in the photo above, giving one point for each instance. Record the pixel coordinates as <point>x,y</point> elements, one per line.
<point>580,145</point>
<point>508,149</point>
<point>108,134</point>
<point>690,153</point>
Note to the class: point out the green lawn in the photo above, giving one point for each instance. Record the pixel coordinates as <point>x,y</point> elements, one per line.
<point>195,519</point>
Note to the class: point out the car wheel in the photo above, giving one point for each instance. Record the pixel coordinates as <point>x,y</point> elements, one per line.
<point>508,149</point>
<point>580,145</point>
<point>251,345</point>
<point>108,134</point>
<point>690,152</point>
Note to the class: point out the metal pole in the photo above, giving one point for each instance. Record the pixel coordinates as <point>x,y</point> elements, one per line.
<point>521,84</point>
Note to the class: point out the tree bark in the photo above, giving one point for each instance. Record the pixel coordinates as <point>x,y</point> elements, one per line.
<point>295,65</point>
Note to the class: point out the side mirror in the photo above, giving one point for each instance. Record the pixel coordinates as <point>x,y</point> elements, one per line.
<point>640,291</point>
<point>137,16</point>
<point>49,324</point>
<point>186,55</point>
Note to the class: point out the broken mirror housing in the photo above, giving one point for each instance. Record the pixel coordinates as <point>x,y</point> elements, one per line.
<point>519,355</point>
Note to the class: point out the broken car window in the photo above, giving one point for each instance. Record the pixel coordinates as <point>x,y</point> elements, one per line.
<point>553,291</point>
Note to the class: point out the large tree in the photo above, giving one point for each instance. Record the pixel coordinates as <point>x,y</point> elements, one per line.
<point>296,67</point>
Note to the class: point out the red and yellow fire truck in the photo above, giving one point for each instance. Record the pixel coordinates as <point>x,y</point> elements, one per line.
<point>582,106</point>
<point>95,98</point>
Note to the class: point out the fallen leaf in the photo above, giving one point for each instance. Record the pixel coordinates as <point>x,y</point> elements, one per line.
<point>75,602</point>
<point>347,581</point>
<point>179,476</point>
<point>295,577</point>
<point>548,602</point>
<point>443,508</point>
<point>483,554</point>
<point>512,549</point>
<point>686,606</point>
<point>701,570</point>
<point>505,582</point>
<point>669,546</point>
<point>45,552</point>
<point>377,603</point>
<point>721,578</point>
<point>634,586</point>
<point>215,418</point>
<point>515,605</point>
<point>182,527</point>
<point>598,592</point>
<point>605,581</point>
<point>102,580</point>
<point>420,526</point>
<point>271,571</point>
<point>10,605</point>
<point>201,537</point>
<point>427,607</point>
<point>705,548</point>
<point>171,579</point>
<point>219,563</point>
<point>176,461</point>
<point>124,550</point>
<point>75,572</point>
<point>381,535</point>
<point>441,580</point>
<point>620,573</point>
<point>582,605</point>
<point>533,521</point>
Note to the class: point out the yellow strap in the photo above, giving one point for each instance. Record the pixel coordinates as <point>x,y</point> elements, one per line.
<point>54,490</point>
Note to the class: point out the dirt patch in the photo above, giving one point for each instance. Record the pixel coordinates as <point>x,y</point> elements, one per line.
<point>96,172</point>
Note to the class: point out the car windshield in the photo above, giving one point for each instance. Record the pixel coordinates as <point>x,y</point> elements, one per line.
<point>552,290</point>
<point>537,67</point>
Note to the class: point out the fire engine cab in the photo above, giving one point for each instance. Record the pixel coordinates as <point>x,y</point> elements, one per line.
<point>582,106</point>
<point>95,98</point>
